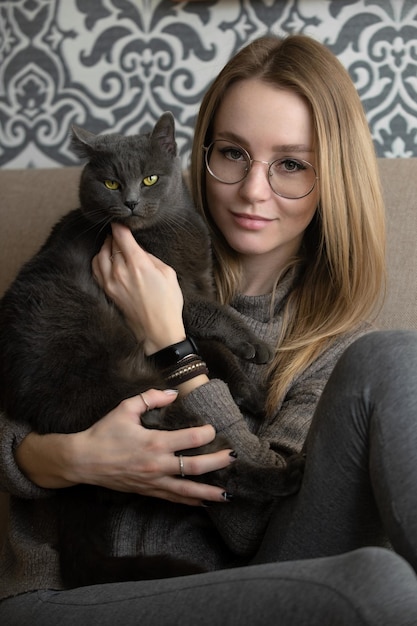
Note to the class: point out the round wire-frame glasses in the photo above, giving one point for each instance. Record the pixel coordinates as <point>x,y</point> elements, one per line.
<point>288,176</point>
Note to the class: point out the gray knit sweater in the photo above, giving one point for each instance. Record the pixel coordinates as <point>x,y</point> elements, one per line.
<point>218,536</point>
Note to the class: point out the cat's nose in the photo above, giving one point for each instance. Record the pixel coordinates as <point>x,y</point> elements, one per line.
<point>131,204</point>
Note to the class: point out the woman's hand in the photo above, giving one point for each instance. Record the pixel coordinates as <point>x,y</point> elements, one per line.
<point>144,288</point>
<point>120,454</point>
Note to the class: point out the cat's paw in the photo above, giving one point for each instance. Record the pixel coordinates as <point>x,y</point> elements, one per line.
<point>248,397</point>
<point>153,419</point>
<point>262,484</point>
<point>256,351</point>
<point>172,417</point>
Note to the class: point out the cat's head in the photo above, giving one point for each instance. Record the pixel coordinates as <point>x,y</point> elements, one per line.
<point>134,179</point>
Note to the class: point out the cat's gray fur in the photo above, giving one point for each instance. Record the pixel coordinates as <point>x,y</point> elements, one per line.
<point>67,356</point>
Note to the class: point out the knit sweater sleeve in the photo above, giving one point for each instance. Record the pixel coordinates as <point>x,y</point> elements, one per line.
<point>240,523</point>
<point>12,480</point>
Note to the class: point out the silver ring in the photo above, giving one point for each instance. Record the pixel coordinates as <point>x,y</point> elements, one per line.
<point>113,254</point>
<point>181,462</point>
<point>148,408</point>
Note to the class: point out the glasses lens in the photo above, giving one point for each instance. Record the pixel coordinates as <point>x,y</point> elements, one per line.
<point>227,161</point>
<point>292,178</point>
<point>288,177</point>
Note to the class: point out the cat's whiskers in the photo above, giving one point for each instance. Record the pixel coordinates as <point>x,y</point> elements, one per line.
<point>172,222</point>
<point>102,223</point>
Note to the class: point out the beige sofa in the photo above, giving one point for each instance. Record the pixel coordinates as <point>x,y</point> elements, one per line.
<point>32,200</point>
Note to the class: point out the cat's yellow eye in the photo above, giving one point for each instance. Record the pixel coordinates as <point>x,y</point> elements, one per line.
<point>150,180</point>
<point>112,184</point>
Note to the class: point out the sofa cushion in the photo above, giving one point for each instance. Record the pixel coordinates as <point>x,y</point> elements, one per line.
<point>399,181</point>
<point>32,200</point>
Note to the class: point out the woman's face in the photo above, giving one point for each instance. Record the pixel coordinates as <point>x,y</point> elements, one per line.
<point>269,123</point>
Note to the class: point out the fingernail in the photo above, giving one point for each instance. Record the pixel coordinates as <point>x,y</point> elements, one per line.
<point>233,454</point>
<point>171,392</point>
<point>228,497</point>
<point>206,503</point>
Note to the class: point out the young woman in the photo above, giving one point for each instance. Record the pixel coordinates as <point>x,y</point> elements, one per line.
<point>284,171</point>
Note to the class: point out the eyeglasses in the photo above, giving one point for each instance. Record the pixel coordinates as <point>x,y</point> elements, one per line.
<point>288,177</point>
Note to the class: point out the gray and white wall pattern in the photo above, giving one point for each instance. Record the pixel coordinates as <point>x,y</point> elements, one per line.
<point>116,65</point>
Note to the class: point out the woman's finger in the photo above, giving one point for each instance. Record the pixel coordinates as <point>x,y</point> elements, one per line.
<point>197,465</point>
<point>125,244</point>
<point>101,263</point>
<point>124,241</point>
<point>184,491</point>
<point>149,399</point>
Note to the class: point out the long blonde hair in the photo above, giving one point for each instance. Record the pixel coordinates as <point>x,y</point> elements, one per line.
<point>342,260</point>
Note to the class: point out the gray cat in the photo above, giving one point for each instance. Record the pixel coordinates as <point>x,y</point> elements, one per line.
<point>67,356</point>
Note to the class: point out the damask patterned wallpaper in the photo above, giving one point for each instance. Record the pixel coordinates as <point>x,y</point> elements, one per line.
<point>118,64</point>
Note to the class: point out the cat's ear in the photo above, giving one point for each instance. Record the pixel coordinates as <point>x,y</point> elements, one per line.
<point>164,133</point>
<point>83,142</point>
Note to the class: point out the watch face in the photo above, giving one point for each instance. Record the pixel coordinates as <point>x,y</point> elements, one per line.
<point>173,354</point>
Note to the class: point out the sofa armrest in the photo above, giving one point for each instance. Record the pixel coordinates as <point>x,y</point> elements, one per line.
<point>399,182</point>
<point>31,202</point>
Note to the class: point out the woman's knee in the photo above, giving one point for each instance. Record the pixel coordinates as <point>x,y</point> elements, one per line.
<point>375,582</point>
<point>371,586</point>
<point>379,356</point>
<point>384,345</point>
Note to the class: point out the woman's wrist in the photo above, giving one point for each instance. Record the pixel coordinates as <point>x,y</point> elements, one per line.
<point>171,354</point>
<point>152,346</point>
<point>190,385</point>
<point>47,460</point>
<point>179,364</point>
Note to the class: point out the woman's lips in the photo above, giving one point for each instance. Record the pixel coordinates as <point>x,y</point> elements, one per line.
<point>250,222</point>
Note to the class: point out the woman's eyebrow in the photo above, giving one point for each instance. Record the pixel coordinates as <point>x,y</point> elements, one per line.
<point>231,137</point>
<point>289,147</point>
<point>296,147</point>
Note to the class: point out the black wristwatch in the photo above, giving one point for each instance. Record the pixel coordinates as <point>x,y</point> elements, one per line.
<point>169,356</point>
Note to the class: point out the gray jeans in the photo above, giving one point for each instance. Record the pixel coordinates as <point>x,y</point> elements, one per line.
<point>371,586</point>
<point>360,481</point>
<point>359,488</point>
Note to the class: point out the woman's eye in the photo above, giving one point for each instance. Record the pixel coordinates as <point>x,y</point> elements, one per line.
<point>150,180</point>
<point>233,154</point>
<point>112,184</point>
<point>292,166</point>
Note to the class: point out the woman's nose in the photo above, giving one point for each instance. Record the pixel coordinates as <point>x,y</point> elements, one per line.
<point>255,186</point>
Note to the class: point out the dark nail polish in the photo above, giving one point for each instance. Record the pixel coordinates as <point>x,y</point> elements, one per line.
<point>233,453</point>
<point>206,503</point>
<point>227,496</point>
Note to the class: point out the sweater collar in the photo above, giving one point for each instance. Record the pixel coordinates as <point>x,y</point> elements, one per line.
<point>261,308</point>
